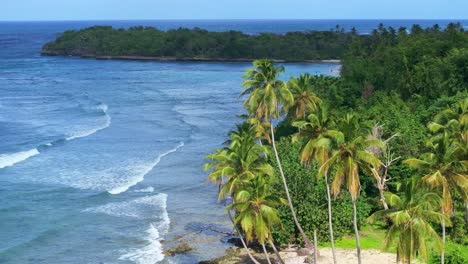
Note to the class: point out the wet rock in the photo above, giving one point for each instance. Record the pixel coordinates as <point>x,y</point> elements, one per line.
<point>182,248</point>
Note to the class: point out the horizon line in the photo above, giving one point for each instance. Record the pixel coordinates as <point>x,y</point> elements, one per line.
<point>239,19</point>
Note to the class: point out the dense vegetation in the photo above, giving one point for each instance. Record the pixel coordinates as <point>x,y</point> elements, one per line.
<point>200,44</point>
<point>385,144</point>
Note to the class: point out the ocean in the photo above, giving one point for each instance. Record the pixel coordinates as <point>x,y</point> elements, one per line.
<point>102,161</point>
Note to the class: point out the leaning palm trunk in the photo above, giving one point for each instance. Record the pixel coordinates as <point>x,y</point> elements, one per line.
<point>242,240</point>
<point>330,224</point>
<point>276,252</point>
<point>356,231</point>
<point>266,253</point>
<point>307,242</point>
<point>466,212</point>
<point>442,254</point>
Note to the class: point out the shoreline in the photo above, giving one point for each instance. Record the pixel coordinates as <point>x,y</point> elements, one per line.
<point>236,255</point>
<point>171,59</point>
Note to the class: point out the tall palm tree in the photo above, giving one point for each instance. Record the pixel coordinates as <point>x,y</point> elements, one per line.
<point>444,167</point>
<point>233,166</point>
<point>268,98</point>
<point>350,157</point>
<point>411,217</point>
<point>319,143</point>
<point>305,99</point>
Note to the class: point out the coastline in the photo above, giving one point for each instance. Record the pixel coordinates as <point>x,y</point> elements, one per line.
<point>236,255</point>
<point>194,59</point>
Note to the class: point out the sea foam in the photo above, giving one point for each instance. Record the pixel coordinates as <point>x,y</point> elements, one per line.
<point>85,133</point>
<point>7,160</point>
<point>142,171</point>
<point>152,208</point>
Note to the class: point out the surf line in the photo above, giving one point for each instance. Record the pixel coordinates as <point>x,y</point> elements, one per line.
<point>141,176</point>
<point>8,160</point>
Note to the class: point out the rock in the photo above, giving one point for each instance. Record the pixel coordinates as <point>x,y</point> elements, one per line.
<point>182,248</point>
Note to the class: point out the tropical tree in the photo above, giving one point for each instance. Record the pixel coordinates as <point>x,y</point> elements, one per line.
<point>256,211</point>
<point>305,99</point>
<point>232,167</point>
<point>350,157</point>
<point>411,216</point>
<point>268,98</point>
<point>319,142</point>
<point>445,164</point>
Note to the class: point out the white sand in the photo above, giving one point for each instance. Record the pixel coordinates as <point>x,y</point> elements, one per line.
<point>344,256</point>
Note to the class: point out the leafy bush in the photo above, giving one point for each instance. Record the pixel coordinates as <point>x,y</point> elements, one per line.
<point>310,200</point>
<point>454,254</point>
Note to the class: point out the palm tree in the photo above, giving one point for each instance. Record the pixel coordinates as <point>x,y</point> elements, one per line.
<point>268,98</point>
<point>444,167</point>
<point>411,217</point>
<point>349,159</point>
<point>233,166</point>
<point>256,205</point>
<point>305,100</point>
<point>319,143</point>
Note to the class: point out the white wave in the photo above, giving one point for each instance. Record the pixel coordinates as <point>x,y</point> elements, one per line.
<point>145,190</point>
<point>149,254</point>
<point>86,133</point>
<point>7,160</point>
<point>141,208</point>
<point>142,170</point>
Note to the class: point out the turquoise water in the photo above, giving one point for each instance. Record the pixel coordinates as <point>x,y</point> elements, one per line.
<point>101,161</point>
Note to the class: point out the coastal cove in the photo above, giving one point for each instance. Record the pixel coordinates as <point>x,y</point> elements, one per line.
<point>171,141</point>
<point>109,153</point>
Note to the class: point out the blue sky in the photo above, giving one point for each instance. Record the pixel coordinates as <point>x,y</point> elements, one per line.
<point>231,9</point>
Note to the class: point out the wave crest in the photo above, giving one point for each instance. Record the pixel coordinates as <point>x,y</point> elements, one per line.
<point>7,160</point>
<point>143,171</point>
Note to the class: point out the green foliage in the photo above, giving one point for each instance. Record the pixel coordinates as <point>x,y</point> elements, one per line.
<point>454,254</point>
<point>199,43</point>
<point>309,199</point>
<point>428,63</point>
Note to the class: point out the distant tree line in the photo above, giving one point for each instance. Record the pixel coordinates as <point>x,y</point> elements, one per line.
<point>199,43</point>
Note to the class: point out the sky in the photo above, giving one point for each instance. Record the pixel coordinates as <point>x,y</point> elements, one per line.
<point>26,10</point>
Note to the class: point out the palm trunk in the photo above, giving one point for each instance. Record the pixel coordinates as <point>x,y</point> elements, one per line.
<point>315,247</point>
<point>330,224</point>
<point>307,242</point>
<point>276,251</point>
<point>356,232</point>
<point>266,253</point>
<point>242,240</point>
<point>466,212</point>
<point>442,254</point>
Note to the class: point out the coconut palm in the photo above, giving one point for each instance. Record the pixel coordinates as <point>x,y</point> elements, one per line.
<point>268,98</point>
<point>350,157</point>
<point>233,166</point>
<point>444,167</point>
<point>411,217</point>
<point>242,160</point>
<point>319,142</point>
<point>256,205</point>
<point>305,100</point>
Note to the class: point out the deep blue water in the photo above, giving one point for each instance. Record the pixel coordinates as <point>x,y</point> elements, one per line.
<point>101,161</point>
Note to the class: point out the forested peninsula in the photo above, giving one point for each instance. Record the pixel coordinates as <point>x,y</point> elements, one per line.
<point>148,43</point>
